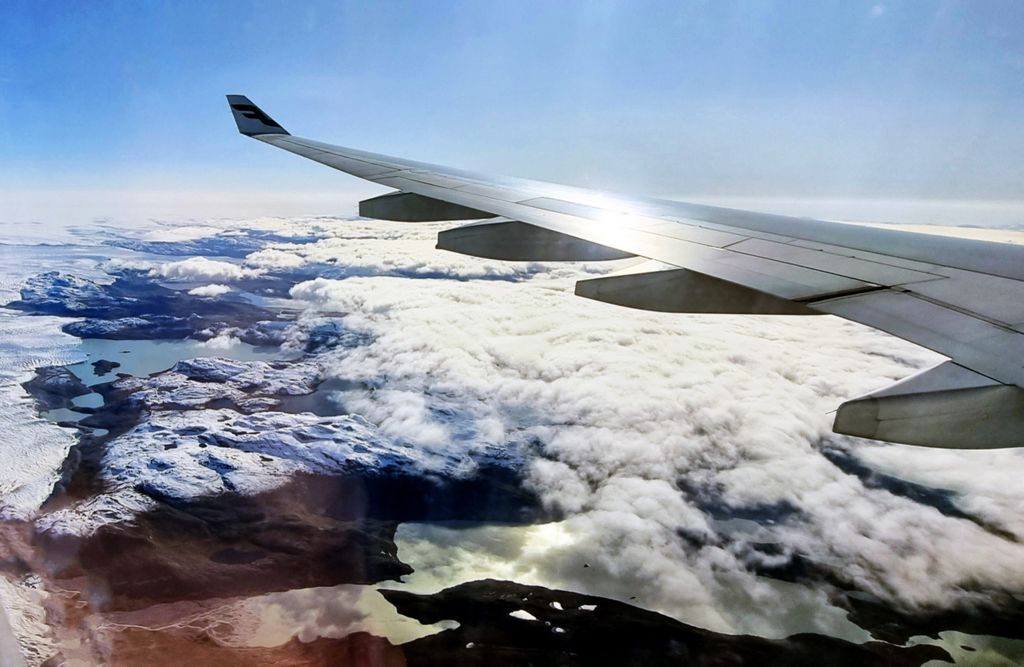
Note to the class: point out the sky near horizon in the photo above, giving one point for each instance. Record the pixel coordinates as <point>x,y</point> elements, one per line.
<point>904,100</point>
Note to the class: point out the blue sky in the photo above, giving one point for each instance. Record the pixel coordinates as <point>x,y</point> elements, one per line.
<point>815,99</point>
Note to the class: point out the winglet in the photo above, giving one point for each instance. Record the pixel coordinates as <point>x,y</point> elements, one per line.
<point>252,120</point>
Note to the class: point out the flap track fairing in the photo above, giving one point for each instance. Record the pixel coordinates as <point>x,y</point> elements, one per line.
<point>517,241</point>
<point>945,406</point>
<point>411,207</point>
<point>661,287</point>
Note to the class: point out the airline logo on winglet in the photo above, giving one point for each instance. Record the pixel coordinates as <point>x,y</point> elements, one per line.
<point>252,120</point>
<point>255,113</point>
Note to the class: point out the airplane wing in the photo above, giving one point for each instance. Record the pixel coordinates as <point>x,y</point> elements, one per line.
<point>958,297</point>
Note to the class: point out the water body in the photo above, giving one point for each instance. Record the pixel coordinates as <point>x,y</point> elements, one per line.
<point>450,553</point>
<point>92,400</point>
<point>335,611</point>
<point>144,357</point>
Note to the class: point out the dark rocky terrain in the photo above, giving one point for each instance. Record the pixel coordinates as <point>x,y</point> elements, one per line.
<point>564,628</point>
<point>134,307</point>
<point>224,244</point>
<point>104,366</point>
<point>54,387</point>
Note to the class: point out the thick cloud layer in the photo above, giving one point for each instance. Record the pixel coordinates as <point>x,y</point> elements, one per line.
<point>657,428</point>
<point>361,248</point>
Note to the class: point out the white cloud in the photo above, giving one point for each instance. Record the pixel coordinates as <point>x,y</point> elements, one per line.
<point>210,290</point>
<point>634,408</point>
<point>271,258</point>
<point>200,268</point>
<point>223,341</point>
<point>359,248</point>
<point>126,264</point>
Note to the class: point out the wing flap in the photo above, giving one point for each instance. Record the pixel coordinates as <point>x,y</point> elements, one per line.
<point>633,222</point>
<point>997,299</point>
<point>987,348</point>
<point>859,269</point>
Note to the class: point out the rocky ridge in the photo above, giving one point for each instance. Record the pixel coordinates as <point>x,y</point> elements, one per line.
<point>134,306</point>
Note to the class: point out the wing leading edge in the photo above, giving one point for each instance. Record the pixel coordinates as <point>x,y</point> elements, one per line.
<point>958,297</point>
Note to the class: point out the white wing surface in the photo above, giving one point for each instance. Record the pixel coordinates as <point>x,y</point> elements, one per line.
<point>958,297</point>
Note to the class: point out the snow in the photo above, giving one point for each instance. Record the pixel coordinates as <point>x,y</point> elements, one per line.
<point>56,289</point>
<point>192,383</point>
<point>25,637</point>
<point>180,452</point>
<point>32,448</point>
<point>186,455</point>
<point>291,379</point>
<point>93,328</point>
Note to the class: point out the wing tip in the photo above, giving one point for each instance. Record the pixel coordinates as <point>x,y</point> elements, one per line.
<point>250,119</point>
